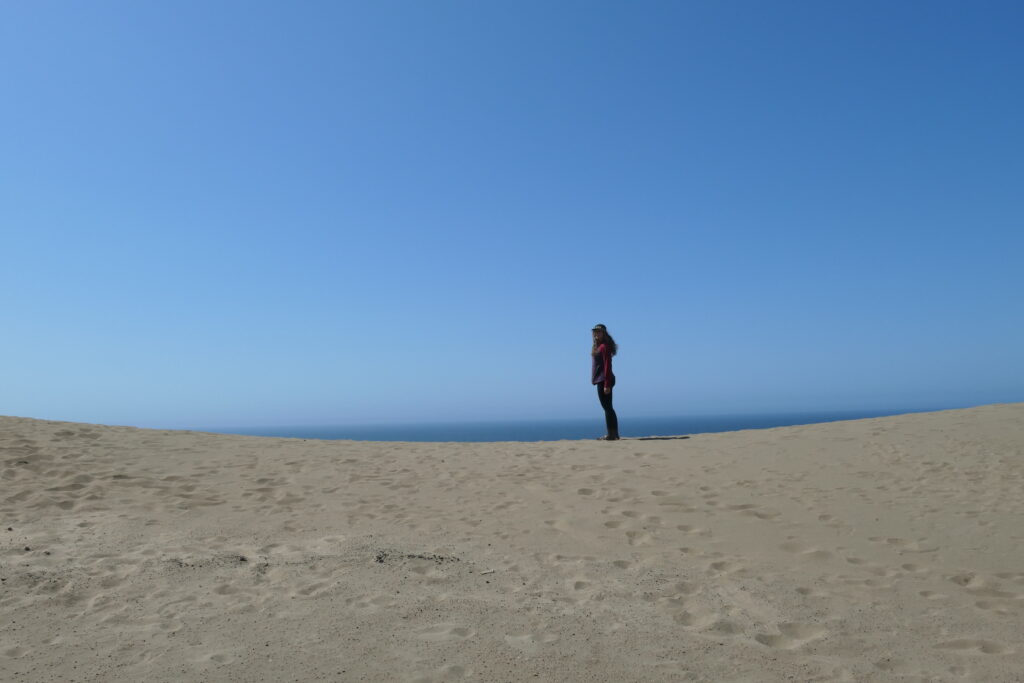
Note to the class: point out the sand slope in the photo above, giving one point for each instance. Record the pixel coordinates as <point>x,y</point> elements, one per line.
<point>873,550</point>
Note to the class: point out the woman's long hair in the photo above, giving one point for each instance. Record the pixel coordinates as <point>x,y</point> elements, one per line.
<point>613,348</point>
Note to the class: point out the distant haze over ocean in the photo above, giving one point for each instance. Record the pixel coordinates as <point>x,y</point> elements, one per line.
<point>553,430</point>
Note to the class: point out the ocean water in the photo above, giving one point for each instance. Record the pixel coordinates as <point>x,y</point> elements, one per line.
<point>554,430</point>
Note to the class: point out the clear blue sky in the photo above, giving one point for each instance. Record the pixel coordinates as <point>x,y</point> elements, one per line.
<point>267,213</point>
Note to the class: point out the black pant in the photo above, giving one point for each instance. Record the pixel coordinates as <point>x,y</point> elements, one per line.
<point>611,420</point>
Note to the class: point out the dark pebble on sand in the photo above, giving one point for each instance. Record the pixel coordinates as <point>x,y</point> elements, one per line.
<point>242,558</point>
<point>27,549</point>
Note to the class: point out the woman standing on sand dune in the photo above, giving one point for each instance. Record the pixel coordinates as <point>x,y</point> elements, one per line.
<point>601,375</point>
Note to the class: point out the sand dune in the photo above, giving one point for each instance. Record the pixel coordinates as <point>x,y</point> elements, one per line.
<point>874,550</point>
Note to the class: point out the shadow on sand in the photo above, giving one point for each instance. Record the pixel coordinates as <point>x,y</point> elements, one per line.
<point>657,438</point>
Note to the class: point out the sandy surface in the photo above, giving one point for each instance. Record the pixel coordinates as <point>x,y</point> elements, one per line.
<point>873,550</point>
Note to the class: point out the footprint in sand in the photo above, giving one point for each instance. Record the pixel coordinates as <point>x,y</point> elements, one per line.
<point>445,632</point>
<point>809,552</point>
<point>370,603</point>
<point>726,567</point>
<point>530,642</point>
<point>932,595</point>
<point>451,672</point>
<point>315,589</point>
<point>791,636</point>
<point>977,646</point>
<point>997,607</point>
<point>635,538</point>
<point>694,620</point>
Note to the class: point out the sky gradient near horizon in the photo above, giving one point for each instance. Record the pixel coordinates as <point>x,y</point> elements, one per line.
<point>270,213</point>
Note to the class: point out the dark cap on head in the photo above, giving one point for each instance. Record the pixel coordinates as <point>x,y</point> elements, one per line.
<point>599,326</point>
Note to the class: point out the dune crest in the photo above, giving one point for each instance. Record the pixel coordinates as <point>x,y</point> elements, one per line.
<point>870,550</point>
